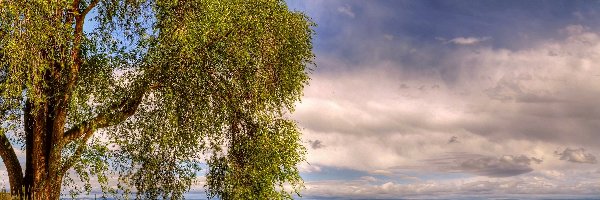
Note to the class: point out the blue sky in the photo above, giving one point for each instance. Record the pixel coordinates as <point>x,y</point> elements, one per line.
<point>452,99</point>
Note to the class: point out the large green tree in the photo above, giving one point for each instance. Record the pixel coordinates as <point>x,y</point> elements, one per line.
<point>140,93</point>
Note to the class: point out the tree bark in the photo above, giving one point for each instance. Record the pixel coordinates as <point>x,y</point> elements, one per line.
<point>28,123</point>
<point>42,180</point>
<point>15,174</point>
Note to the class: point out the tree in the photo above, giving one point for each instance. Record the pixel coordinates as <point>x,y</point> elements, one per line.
<point>148,92</point>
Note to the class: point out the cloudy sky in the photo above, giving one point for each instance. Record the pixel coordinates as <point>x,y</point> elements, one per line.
<point>452,99</point>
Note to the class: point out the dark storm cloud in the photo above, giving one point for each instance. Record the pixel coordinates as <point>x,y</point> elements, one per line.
<point>576,156</point>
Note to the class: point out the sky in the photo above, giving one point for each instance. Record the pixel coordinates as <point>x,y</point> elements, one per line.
<point>452,99</point>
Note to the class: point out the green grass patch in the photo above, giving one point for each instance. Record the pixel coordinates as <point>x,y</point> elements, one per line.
<point>5,196</point>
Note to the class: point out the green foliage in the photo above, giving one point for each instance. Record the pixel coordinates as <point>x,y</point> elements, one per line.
<point>263,154</point>
<point>216,79</point>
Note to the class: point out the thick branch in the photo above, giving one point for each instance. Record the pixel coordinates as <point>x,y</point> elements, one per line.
<point>77,154</point>
<point>75,54</point>
<point>79,20</point>
<point>72,12</point>
<point>76,51</point>
<point>85,130</point>
<point>117,114</point>
<point>60,114</point>
<point>15,173</point>
<point>89,8</point>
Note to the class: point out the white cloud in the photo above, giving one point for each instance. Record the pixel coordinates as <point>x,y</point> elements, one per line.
<point>382,172</point>
<point>346,10</point>
<point>308,168</point>
<point>475,187</point>
<point>368,178</point>
<point>388,36</point>
<point>575,29</point>
<point>579,15</point>
<point>465,40</point>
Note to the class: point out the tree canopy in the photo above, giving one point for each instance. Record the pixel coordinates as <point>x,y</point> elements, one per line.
<point>148,91</point>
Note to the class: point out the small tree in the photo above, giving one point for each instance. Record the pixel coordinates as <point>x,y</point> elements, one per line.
<point>153,90</point>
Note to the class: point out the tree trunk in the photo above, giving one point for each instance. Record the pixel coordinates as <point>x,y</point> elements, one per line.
<point>42,180</point>
<point>15,175</point>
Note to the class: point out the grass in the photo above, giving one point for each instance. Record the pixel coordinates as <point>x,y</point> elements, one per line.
<point>5,196</point>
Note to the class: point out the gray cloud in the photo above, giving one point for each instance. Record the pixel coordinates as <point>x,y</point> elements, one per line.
<point>511,87</point>
<point>490,166</point>
<point>496,101</point>
<point>316,144</point>
<point>453,139</point>
<point>496,93</point>
<point>403,98</point>
<point>536,160</point>
<point>576,156</point>
<point>503,166</point>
